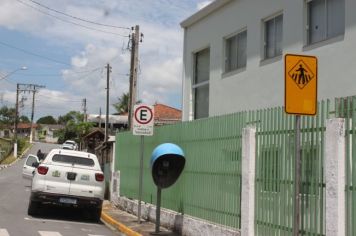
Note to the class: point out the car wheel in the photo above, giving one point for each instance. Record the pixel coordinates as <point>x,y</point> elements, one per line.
<point>33,208</point>
<point>96,214</point>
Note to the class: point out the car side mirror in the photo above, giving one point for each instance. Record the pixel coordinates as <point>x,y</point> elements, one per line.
<point>35,164</point>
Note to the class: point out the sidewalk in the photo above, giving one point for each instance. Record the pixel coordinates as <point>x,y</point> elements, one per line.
<point>128,224</point>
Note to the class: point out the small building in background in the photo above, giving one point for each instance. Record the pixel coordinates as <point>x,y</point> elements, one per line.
<point>48,133</point>
<point>92,140</point>
<point>24,129</point>
<point>166,115</point>
<point>116,122</point>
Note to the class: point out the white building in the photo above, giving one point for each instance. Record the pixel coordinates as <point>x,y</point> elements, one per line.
<point>234,52</point>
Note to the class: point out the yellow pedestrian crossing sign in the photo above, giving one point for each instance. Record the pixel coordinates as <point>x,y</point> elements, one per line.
<point>300,75</point>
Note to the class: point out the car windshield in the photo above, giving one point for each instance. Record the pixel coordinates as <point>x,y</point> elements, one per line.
<point>73,160</point>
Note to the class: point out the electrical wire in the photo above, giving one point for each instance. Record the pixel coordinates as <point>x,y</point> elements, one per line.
<point>59,98</point>
<point>78,18</point>
<point>59,75</point>
<point>69,22</point>
<point>33,54</point>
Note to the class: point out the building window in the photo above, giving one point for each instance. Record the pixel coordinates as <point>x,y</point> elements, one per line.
<point>201,83</point>
<point>235,52</point>
<point>273,37</point>
<point>326,19</point>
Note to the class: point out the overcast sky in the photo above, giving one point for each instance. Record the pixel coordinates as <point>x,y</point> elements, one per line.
<point>68,55</point>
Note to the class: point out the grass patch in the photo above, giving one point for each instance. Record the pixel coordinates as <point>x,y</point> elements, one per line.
<point>10,159</point>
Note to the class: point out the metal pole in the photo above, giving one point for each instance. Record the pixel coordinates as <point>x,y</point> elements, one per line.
<point>297,174</point>
<point>140,181</point>
<point>158,210</point>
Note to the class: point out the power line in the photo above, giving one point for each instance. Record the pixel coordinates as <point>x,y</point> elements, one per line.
<point>69,22</point>
<point>33,54</point>
<point>70,73</point>
<point>59,98</point>
<point>78,18</point>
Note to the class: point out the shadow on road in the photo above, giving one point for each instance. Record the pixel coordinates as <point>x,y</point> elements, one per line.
<point>52,212</point>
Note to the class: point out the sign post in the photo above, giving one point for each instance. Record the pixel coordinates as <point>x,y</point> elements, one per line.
<point>143,121</point>
<point>300,75</point>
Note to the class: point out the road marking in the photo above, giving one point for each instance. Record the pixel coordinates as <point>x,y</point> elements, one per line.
<point>3,232</point>
<point>49,233</point>
<point>61,221</point>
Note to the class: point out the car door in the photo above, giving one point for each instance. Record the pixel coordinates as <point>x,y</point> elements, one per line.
<point>28,169</point>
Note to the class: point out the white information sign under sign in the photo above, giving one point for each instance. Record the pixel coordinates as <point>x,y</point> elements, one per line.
<point>143,120</point>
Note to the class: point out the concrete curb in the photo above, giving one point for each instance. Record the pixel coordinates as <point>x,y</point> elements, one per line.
<point>117,225</point>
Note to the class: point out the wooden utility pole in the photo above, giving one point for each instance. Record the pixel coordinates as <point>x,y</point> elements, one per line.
<point>24,88</point>
<point>135,38</point>
<point>100,117</point>
<point>16,119</point>
<point>108,70</point>
<point>34,91</point>
<point>85,109</point>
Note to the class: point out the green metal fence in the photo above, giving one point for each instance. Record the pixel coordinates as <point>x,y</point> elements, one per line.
<point>275,172</point>
<point>210,185</point>
<point>346,108</point>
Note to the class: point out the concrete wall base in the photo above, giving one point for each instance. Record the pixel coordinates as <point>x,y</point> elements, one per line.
<point>184,224</point>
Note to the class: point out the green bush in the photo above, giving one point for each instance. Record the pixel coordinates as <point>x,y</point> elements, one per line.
<point>22,144</point>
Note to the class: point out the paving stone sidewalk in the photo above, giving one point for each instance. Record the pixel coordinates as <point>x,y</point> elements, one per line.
<point>128,223</point>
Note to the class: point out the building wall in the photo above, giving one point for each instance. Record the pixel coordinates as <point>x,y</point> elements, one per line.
<point>261,85</point>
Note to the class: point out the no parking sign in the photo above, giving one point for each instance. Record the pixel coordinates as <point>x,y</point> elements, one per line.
<point>143,120</point>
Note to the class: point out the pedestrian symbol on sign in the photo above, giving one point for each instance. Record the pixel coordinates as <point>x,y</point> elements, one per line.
<point>301,74</point>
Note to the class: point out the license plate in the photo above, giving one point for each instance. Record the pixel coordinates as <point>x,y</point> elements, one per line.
<point>68,200</point>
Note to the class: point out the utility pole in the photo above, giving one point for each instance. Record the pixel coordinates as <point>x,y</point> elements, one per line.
<point>108,70</point>
<point>34,91</point>
<point>135,37</point>
<point>100,117</point>
<point>16,117</point>
<point>24,88</point>
<point>85,109</point>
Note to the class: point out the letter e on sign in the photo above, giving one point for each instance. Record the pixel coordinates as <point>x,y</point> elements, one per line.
<point>143,120</point>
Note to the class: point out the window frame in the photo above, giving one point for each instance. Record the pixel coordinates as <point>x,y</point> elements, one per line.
<point>326,38</point>
<point>226,59</point>
<point>195,85</point>
<point>264,36</point>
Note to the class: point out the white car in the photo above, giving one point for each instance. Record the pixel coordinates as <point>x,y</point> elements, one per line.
<point>68,178</point>
<point>29,166</point>
<point>70,144</point>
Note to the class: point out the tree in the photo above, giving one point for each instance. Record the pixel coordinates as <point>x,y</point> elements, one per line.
<point>7,115</point>
<point>74,131</point>
<point>24,119</point>
<point>48,120</point>
<point>122,106</point>
<point>75,128</point>
<point>71,116</point>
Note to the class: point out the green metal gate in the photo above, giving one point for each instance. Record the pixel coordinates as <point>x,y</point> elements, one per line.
<point>346,108</point>
<point>275,172</point>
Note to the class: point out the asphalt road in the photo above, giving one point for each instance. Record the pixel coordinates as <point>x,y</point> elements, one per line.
<point>51,221</point>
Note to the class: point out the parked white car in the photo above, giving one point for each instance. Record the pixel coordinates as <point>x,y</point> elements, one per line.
<point>70,145</point>
<point>68,178</point>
